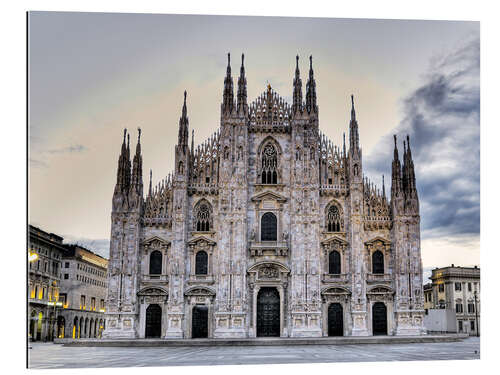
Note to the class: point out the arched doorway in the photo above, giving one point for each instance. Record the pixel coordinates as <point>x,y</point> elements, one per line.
<point>200,321</point>
<point>39,326</point>
<point>379,318</point>
<point>268,312</point>
<point>80,329</point>
<point>33,325</point>
<point>335,320</point>
<point>61,323</point>
<point>153,321</point>
<point>75,328</point>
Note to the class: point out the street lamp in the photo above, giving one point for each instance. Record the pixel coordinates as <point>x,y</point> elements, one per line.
<point>475,308</point>
<point>55,304</point>
<point>32,257</point>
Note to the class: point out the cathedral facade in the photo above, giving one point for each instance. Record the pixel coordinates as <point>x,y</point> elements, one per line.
<point>265,229</point>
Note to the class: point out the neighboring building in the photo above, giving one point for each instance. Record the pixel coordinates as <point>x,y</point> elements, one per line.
<point>440,321</point>
<point>457,289</point>
<point>44,275</point>
<point>83,292</point>
<point>428,297</point>
<point>266,229</point>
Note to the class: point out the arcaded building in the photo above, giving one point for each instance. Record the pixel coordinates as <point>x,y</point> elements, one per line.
<point>265,229</point>
<point>82,293</point>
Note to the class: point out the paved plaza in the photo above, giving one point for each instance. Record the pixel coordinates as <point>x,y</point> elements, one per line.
<point>48,355</point>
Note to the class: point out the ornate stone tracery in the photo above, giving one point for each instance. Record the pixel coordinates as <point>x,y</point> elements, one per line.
<point>266,162</point>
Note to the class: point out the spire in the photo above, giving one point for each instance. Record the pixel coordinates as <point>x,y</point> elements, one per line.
<point>183,126</point>
<point>192,142</point>
<point>137,167</point>
<point>396,173</point>
<point>120,177</point>
<point>228,96</point>
<point>383,187</point>
<point>353,129</point>
<point>412,185</point>
<point>297,89</point>
<point>343,147</point>
<point>242,89</point>
<point>311,90</point>
<point>353,112</point>
<point>127,166</point>
<point>405,168</point>
<point>150,182</point>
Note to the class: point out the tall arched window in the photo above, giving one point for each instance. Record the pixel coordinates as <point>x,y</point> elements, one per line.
<point>269,227</point>
<point>203,217</point>
<point>155,260</point>
<point>378,262</point>
<point>333,219</point>
<point>334,263</point>
<point>269,165</point>
<point>201,263</point>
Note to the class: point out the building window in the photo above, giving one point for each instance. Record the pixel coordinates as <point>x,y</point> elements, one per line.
<point>62,298</point>
<point>469,287</point>
<point>441,288</point>
<point>201,263</point>
<point>460,326</point>
<point>82,303</point>
<point>66,276</point>
<point>470,308</point>
<point>155,263</point>
<point>269,165</point>
<point>458,287</point>
<point>378,262</point>
<point>92,303</point>
<point>269,227</point>
<point>203,217</point>
<point>333,219</point>
<point>472,325</point>
<point>334,263</point>
<point>459,308</point>
<point>102,304</point>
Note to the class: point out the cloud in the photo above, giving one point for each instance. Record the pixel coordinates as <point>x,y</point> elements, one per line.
<point>98,246</point>
<point>34,163</point>
<point>442,118</point>
<point>68,149</point>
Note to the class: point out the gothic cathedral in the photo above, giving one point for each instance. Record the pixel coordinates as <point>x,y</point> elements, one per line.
<point>266,229</point>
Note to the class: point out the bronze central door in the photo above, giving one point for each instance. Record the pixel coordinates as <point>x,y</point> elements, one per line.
<point>335,320</point>
<point>200,322</point>
<point>153,321</point>
<point>268,313</point>
<point>379,318</point>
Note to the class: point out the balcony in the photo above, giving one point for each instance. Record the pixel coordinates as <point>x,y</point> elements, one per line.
<point>201,279</point>
<point>333,190</point>
<point>378,277</point>
<point>156,278</point>
<point>377,222</point>
<point>203,188</point>
<point>262,248</point>
<point>334,278</point>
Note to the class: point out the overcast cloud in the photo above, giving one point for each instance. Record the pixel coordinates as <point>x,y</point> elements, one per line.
<point>442,118</point>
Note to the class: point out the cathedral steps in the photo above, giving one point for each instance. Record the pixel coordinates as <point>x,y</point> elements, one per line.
<point>261,341</point>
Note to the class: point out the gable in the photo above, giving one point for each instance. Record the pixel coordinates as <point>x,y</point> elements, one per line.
<point>155,243</point>
<point>269,195</point>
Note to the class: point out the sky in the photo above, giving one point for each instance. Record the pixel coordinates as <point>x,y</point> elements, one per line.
<point>93,74</point>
